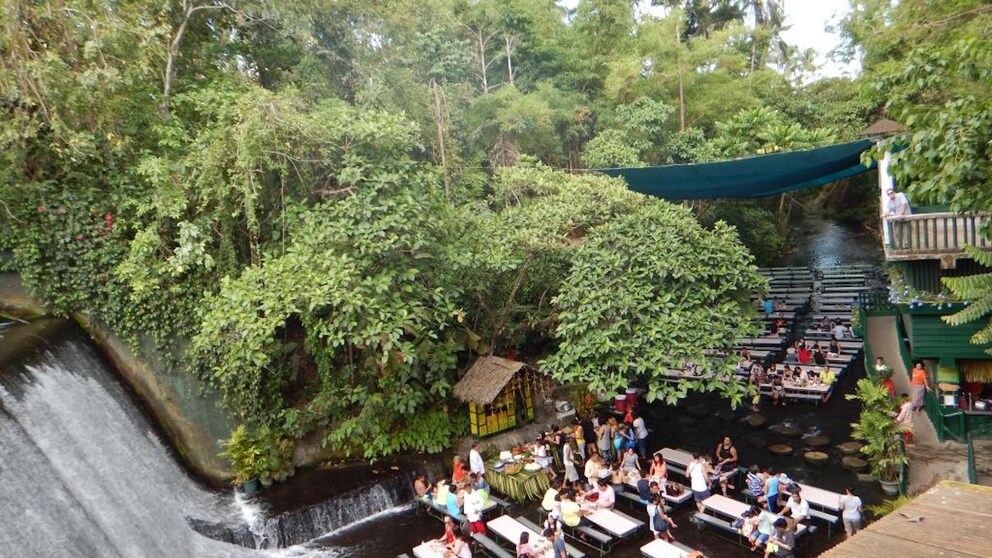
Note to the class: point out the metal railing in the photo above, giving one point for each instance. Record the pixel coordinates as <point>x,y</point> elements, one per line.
<point>875,303</point>
<point>933,234</point>
<point>985,432</point>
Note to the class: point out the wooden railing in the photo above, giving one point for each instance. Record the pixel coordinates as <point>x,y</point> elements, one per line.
<point>933,235</point>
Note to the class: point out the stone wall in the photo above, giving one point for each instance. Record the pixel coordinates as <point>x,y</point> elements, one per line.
<point>191,415</point>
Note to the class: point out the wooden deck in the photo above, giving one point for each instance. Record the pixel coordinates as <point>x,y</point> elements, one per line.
<point>955,521</point>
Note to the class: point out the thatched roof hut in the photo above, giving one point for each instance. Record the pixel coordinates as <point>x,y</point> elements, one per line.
<point>883,127</point>
<point>487,377</point>
<point>500,393</point>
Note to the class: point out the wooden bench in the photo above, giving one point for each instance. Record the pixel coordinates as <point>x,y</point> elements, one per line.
<point>490,547</point>
<point>825,517</point>
<point>572,551</point>
<point>725,528</point>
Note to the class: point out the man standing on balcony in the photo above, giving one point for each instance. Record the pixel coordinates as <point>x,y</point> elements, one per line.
<point>898,204</point>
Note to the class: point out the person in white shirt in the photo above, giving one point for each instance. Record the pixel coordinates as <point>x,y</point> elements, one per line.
<point>607,496</point>
<point>898,204</point>
<point>840,331</point>
<point>472,506</point>
<point>797,507</point>
<point>698,481</point>
<point>641,433</point>
<point>475,463</point>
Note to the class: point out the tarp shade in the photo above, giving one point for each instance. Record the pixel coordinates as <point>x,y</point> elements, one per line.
<point>753,177</point>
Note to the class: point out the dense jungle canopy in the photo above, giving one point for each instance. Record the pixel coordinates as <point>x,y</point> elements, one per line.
<point>324,209</point>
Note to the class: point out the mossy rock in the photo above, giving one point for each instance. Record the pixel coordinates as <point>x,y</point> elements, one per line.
<point>850,448</point>
<point>816,458</point>
<point>818,442</point>
<point>787,431</point>
<point>698,411</point>
<point>780,449</point>
<point>853,463</point>
<point>756,421</point>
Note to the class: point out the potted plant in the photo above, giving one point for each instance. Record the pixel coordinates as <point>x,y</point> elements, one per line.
<point>259,456</point>
<point>880,434</point>
<point>246,458</point>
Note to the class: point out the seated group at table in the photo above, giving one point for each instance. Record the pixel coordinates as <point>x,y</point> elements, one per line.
<point>459,500</point>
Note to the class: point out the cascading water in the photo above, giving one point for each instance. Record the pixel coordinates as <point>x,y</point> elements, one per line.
<point>83,472</point>
<point>258,530</point>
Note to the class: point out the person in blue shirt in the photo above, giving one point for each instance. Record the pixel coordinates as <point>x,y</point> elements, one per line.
<point>558,549</point>
<point>771,490</point>
<point>768,306</point>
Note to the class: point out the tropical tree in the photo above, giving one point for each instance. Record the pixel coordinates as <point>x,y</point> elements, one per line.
<point>652,291</point>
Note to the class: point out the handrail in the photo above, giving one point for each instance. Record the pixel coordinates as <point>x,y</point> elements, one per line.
<point>934,233</point>
<point>982,432</point>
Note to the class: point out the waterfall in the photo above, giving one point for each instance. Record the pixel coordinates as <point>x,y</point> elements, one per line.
<point>83,471</point>
<point>257,530</point>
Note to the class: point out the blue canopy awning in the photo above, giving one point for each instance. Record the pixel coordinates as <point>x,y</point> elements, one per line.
<point>753,177</point>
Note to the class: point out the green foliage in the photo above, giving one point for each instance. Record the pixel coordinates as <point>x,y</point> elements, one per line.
<point>261,453</point>
<point>755,226</point>
<point>888,506</point>
<point>877,429</point>
<point>977,291</point>
<point>653,290</point>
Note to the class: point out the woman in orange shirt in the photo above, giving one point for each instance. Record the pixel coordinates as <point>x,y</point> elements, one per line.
<point>919,385</point>
<point>458,470</point>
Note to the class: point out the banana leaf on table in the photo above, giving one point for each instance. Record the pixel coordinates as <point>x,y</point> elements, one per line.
<point>521,487</point>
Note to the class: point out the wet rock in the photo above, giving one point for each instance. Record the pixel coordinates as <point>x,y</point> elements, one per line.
<point>850,448</point>
<point>816,458</point>
<point>756,421</point>
<point>780,449</point>
<point>853,463</point>
<point>818,442</point>
<point>786,430</point>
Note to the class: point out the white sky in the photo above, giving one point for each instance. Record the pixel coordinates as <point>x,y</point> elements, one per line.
<point>807,20</point>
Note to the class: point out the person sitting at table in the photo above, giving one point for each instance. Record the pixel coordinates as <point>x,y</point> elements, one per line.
<point>571,512</point>
<point>422,487</point>
<point>803,377</point>
<point>755,482</point>
<point>819,358</point>
<point>790,355</point>
<point>647,489</point>
<point>592,468</point>
<point>778,392</point>
<point>745,358</point>
<point>481,486</point>
<point>840,331</point>
<point>744,525</point>
<point>781,306</point>
<point>782,542</point>
<point>726,461</point>
<point>659,469</point>
<point>801,343</point>
<point>453,502</point>
<point>631,461</point>
<point>796,506</point>
<point>548,502</point>
<point>763,526</point>
<point>826,324</point>
<point>804,355</point>
<point>660,524</point>
<point>449,536</point>
<point>458,470</point>
<point>787,372</point>
<point>558,548</point>
<point>767,306</point>
<point>461,548</point>
<point>834,349</point>
<point>524,549</point>
<point>607,496</point>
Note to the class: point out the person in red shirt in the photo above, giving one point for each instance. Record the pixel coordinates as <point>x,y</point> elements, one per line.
<point>804,355</point>
<point>458,470</point>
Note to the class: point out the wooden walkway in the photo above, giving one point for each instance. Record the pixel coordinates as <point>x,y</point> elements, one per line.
<point>951,520</point>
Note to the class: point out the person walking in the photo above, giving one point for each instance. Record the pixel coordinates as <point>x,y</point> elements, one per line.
<point>698,481</point>
<point>919,385</point>
<point>905,418</point>
<point>568,457</point>
<point>850,506</point>
<point>641,433</point>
